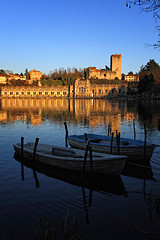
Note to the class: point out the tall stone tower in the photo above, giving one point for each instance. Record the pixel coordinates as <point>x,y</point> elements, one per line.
<point>116,65</point>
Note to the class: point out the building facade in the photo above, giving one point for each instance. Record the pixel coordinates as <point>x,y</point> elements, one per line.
<point>131,78</point>
<point>3,79</point>
<point>35,75</point>
<point>80,89</point>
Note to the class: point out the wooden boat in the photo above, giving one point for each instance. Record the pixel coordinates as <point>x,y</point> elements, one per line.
<point>133,149</point>
<point>73,159</point>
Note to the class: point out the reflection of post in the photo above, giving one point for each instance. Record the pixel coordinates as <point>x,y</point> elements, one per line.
<point>36,178</point>
<point>85,205</point>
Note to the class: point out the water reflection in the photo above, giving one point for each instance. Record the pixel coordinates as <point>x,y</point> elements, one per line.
<point>97,112</point>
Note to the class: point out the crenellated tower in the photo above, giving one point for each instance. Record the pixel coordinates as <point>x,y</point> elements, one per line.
<point>116,65</point>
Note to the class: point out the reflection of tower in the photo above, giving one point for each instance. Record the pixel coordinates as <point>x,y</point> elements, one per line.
<point>116,64</point>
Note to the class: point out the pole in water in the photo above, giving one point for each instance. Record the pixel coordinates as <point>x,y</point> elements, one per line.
<point>22,141</point>
<point>85,136</point>
<point>35,148</point>
<point>85,158</point>
<point>145,140</point>
<point>66,138</point>
<point>111,143</point>
<point>159,124</point>
<point>22,168</point>
<point>119,143</point>
<point>90,156</point>
<point>134,129</point>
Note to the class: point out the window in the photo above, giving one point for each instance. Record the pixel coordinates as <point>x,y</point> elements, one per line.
<point>22,93</point>
<point>104,75</point>
<point>46,93</point>
<point>99,90</point>
<point>106,90</point>
<point>34,93</point>
<point>93,91</point>
<point>52,93</point>
<point>64,93</point>
<point>28,93</point>
<point>40,93</point>
<point>5,93</point>
<point>11,93</point>
<point>17,93</point>
<point>58,93</point>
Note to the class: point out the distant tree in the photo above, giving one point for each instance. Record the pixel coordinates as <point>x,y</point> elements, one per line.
<point>106,67</point>
<point>151,68</point>
<point>27,74</point>
<point>123,75</point>
<point>148,6</point>
<point>130,73</point>
<point>8,72</point>
<point>2,72</point>
<point>146,83</point>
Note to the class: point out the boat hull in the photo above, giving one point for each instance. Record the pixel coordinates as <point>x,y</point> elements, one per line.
<point>101,163</point>
<point>134,152</point>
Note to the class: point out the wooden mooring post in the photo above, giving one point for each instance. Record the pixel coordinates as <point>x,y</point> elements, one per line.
<point>145,140</point>
<point>118,141</point>
<point>109,129</point>
<point>66,138</point>
<point>86,138</point>
<point>158,124</point>
<point>22,142</point>
<point>111,143</point>
<point>22,168</point>
<point>85,159</point>
<point>35,148</point>
<point>134,129</point>
<point>90,157</point>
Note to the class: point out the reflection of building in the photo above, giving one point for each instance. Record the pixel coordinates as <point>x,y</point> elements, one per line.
<point>97,112</point>
<point>114,72</point>
<point>131,78</point>
<point>94,112</point>
<point>3,116</point>
<point>36,118</point>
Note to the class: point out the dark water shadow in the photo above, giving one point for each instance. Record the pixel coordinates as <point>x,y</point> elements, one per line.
<point>138,171</point>
<point>98,182</point>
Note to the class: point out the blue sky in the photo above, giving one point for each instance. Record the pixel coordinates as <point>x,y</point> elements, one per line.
<point>47,35</point>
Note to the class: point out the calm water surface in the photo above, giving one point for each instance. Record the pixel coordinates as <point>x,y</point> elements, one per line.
<point>108,208</point>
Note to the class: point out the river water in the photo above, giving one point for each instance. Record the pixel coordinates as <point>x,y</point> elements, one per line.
<point>31,201</point>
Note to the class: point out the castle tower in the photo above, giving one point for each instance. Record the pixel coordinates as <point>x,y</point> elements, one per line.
<point>116,65</point>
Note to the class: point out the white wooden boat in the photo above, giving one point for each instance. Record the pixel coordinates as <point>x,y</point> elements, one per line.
<point>73,159</point>
<point>133,149</point>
